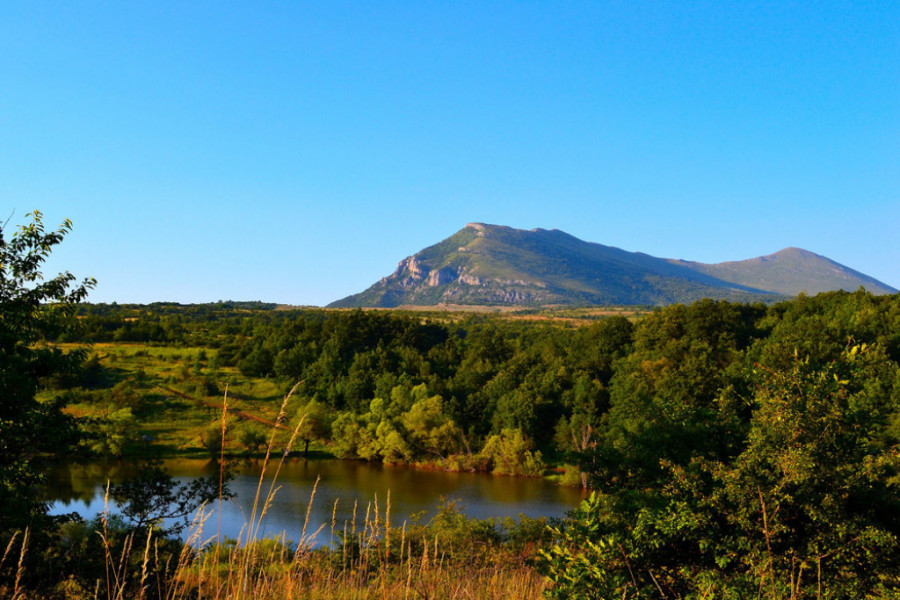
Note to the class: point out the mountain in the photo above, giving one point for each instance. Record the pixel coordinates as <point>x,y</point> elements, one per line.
<point>791,271</point>
<point>493,264</point>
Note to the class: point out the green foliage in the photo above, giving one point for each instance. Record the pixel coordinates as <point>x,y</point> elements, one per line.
<point>410,426</point>
<point>807,506</point>
<point>677,394</point>
<point>452,527</point>
<point>346,430</point>
<point>474,540</point>
<point>110,433</point>
<point>510,453</point>
<point>429,430</point>
<point>32,310</point>
<point>212,439</point>
<point>252,436</point>
<point>72,560</point>
<point>490,374</point>
<point>584,564</point>
<point>313,423</point>
<point>573,476</point>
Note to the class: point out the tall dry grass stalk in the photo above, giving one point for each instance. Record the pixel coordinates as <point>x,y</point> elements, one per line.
<point>282,413</point>
<point>9,546</point>
<point>221,483</point>
<point>20,571</point>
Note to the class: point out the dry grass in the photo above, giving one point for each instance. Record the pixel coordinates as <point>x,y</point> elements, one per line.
<point>366,557</point>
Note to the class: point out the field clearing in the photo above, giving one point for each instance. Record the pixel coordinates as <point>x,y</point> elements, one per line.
<point>551,314</point>
<point>175,394</point>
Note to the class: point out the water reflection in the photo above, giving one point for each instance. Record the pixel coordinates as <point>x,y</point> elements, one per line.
<point>80,488</point>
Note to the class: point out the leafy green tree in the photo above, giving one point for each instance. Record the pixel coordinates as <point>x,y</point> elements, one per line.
<point>823,464</point>
<point>212,439</point>
<point>807,508</point>
<point>110,433</point>
<point>583,564</point>
<point>314,423</point>
<point>252,436</point>
<point>392,446</point>
<point>346,435</point>
<point>429,429</point>
<point>510,453</point>
<point>678,394</point>
<point>32,311</point>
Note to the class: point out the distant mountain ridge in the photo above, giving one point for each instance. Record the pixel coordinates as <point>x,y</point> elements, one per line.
<point>498,265</point>
<point>791,271</point>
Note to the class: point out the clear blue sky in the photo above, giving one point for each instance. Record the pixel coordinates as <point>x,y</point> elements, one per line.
<point>294,152</point>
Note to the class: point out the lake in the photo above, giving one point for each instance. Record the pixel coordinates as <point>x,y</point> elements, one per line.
<point>80,488</point>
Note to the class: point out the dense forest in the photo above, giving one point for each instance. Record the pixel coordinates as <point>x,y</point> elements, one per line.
<point>401,387</point>
<point>407,386</point>
<point>732,450</point>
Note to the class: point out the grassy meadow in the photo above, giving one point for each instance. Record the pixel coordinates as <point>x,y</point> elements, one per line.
<point>175,396</point>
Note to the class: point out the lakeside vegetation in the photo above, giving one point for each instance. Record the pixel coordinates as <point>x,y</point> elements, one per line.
<point>733,450</point>
<point>396,387</point>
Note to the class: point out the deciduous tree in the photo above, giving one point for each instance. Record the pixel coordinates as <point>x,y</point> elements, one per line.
<point>32,310</point>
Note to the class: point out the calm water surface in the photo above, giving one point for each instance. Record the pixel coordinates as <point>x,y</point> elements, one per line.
<point>80,488</point>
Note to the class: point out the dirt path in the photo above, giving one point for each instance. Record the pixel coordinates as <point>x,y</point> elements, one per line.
<point>243,415</point>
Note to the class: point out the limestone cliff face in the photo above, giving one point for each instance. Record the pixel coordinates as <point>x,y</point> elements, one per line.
<point>412,272</point>
<point>409,273</point>
<point>441,277</point>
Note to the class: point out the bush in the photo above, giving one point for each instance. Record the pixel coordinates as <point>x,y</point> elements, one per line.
<point>510,453</point>
<point>807,507</point>
<point>252,436</point>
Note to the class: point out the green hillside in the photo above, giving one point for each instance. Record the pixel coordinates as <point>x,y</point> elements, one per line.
<point>489,264</point>
<point>791,271</point>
